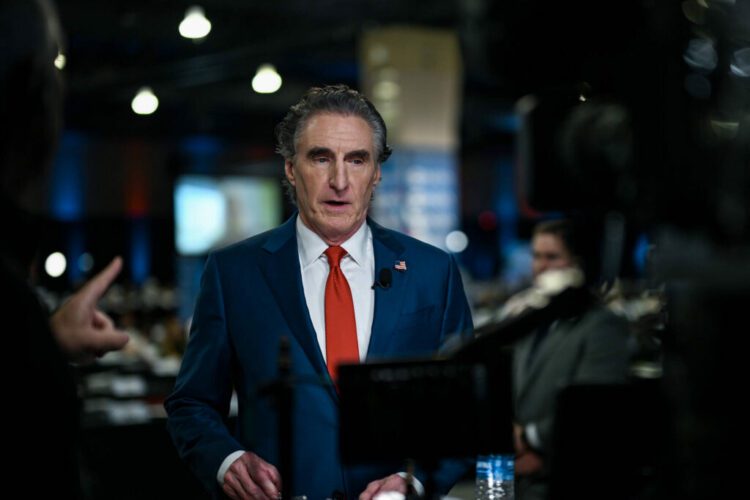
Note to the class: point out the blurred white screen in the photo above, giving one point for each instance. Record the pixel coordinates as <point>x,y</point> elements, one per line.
<point>212,212</point>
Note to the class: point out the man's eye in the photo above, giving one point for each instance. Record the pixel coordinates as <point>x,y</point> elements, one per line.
<point>357,161</point>
<point>320,159</point>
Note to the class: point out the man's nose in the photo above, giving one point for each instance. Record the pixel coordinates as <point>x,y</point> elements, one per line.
<point>338,176</point>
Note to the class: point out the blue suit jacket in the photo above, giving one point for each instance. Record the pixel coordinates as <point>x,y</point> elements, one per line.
<point>251,295</point>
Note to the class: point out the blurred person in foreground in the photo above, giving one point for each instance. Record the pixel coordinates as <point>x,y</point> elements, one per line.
<point>581,348</point>
<point>42,408</point>
<point>276,285</point>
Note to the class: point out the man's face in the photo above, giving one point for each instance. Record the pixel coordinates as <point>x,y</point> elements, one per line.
<point>549,252</point>
<point>334,173</point>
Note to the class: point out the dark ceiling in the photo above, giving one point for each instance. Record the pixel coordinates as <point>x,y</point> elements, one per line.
<point>114,48</point>
<point>508,47</point>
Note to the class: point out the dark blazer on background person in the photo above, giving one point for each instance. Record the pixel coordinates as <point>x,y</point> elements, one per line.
<point>252,295</point>
<point>592,348</point>
<point>42,403</point>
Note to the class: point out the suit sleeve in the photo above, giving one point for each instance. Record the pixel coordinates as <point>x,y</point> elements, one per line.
<point>198,406</point>
<point>603,359</point>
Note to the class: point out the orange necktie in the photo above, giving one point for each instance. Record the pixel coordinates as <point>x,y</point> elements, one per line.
<point>341,327</point>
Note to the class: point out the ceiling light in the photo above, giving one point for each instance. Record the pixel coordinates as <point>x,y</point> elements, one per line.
<point>60,61</point>
<point>266,80</point>
<point>195,25</point>
<point>55,264</point>
<point>145,102</point>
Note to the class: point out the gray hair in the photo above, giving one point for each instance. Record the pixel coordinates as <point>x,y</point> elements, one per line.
<point>337,99</point>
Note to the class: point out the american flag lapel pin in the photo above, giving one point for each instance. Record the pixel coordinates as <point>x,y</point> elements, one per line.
<point>400,265</point>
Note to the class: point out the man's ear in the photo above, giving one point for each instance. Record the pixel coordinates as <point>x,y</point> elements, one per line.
<point>289,171</point>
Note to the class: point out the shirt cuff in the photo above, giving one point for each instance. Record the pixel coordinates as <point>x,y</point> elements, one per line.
<point>532,436</point>
<point>416,483</point>
<point>226,464</point>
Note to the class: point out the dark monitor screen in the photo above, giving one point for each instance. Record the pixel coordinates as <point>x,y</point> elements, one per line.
<point>424,410</point>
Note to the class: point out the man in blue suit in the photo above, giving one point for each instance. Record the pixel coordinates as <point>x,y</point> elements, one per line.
<point>274,285</point>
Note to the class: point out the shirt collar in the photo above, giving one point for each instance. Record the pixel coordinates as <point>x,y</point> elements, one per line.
<point>311,246</point>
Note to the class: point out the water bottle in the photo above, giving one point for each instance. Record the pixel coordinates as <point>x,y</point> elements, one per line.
<point>494,478</point>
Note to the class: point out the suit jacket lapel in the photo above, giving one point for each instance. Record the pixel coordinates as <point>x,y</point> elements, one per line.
<point>282,273</point>
<point>281,270</point>
<point>388,301</point>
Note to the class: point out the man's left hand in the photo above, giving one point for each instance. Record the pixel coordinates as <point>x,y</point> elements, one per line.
<point>394,482</point>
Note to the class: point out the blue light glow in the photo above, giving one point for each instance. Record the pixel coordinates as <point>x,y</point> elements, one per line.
<point>67,186</point>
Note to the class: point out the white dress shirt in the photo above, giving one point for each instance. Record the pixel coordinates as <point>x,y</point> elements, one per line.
<point>358,265</point>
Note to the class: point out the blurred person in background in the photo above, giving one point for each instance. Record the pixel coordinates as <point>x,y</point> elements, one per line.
<point>41,408</point>
<point>591,347</point>
<point>277,285</point>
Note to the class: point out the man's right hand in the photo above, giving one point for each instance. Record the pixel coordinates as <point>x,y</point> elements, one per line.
<point>80,328</point>
<point>251,477</point>
<point>528,461</point>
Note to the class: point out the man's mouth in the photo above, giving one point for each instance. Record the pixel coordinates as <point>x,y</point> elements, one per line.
<point>336,203</point>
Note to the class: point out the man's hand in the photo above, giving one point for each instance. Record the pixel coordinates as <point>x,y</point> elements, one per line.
<point>519,443</point>
<point>527,460</point>
<point>81,330</point>
<point>528,463</point>
<point>251,477</point>
<point>394,482</point>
